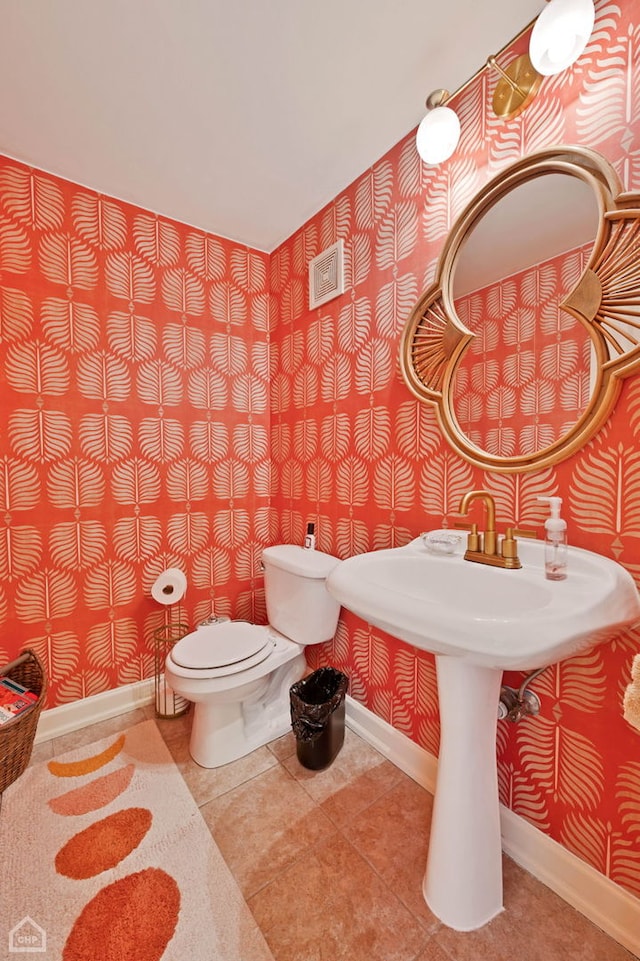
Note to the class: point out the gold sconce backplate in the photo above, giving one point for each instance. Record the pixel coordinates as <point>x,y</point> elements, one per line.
<point>518,85</point>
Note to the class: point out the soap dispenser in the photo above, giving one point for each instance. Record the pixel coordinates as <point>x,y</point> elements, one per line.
<point>555,547</point>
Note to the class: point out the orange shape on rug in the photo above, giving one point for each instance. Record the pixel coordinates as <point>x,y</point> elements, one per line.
<point>104,844</point>
<point>90,797</point>
<point>89,764</point>
<point>134,917</point>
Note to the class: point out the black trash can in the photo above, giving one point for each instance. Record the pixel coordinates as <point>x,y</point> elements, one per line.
<point>317,716</point>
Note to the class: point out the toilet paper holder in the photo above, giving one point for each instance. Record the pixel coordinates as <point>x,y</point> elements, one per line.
<point>168,704</point>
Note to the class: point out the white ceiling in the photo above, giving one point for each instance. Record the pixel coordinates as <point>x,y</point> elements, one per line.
<point>241,117</point>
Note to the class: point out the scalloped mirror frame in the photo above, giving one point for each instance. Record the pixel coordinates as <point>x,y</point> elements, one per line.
<point>606,300</point>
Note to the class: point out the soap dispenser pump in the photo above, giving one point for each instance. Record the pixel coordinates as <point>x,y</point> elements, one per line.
<point>555,548</point>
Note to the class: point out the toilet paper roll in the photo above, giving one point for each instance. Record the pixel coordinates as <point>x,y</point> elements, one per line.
<point>170,586</point>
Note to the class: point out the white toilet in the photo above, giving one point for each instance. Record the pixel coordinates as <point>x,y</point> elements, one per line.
<point>238,674</point>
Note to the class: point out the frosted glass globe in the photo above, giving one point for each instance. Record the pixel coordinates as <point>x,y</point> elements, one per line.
<point>560,34</point>
<point>438,135</point>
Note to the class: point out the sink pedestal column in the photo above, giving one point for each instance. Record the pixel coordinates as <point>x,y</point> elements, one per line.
<point>463,882</point>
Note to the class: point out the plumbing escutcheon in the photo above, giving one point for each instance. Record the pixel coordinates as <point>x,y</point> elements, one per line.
<point>514,707</point>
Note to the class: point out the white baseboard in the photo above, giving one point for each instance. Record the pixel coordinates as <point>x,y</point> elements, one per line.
<point>70,717</point>
<point>602,901</point>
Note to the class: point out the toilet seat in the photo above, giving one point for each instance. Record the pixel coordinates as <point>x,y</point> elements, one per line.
<point>218,650</point>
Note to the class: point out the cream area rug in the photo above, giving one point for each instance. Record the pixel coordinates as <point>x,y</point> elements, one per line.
<point>106,857</point>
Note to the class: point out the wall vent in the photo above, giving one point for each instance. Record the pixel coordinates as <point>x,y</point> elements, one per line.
<point>326,275</point>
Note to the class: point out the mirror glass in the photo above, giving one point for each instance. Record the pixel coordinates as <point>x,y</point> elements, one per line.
<point>526,377</point>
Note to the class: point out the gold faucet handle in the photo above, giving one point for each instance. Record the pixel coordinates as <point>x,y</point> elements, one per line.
<point>474,540</point>
<point>509,544</point>
<point>510,549</point>
<point>518,532</point>
<point>461,526</point>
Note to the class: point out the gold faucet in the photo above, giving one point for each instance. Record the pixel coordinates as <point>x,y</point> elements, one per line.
<point>483,548</point>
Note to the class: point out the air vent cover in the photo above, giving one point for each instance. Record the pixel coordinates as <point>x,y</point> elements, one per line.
<point>326,275</point>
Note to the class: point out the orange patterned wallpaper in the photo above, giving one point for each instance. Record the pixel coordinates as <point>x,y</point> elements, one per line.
<point>136,433</point>
<point>134,428</point>
<point>354,452</point>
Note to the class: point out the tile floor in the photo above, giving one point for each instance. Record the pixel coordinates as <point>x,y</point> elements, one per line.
<point>331,862</point>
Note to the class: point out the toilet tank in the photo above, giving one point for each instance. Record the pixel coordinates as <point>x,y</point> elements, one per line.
<point>298,602</point>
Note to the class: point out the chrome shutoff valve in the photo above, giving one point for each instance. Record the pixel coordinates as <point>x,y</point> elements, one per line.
<point>514,705</point>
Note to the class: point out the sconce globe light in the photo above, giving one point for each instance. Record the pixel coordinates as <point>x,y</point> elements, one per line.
<point>560,34</point>
<point>558,38</point>
<point>439,131</point>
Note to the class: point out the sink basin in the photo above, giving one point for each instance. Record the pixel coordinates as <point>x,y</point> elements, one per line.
<point>506,619</point>
<point>478,621</point>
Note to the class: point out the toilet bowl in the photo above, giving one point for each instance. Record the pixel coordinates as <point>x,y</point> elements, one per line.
<point>238,674</point>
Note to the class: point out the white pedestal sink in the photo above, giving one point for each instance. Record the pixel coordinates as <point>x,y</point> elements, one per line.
<point>479,621</point>
<point>463,881</point>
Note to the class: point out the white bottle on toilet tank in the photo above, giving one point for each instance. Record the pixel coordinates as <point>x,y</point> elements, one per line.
<point>555,545</point>
<point>310,538</point>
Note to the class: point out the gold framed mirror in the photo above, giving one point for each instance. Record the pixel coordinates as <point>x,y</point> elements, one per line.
<point>533,320</point>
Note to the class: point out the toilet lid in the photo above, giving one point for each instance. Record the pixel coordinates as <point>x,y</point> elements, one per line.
<point>226,648</point>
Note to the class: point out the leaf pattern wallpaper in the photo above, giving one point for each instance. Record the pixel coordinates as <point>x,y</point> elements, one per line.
<point>167,399</point>
<point>524,380</point>
<point>134,427</point>
<point>388,475</point>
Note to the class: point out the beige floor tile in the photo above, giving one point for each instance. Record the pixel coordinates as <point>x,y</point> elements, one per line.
<point>566,933</point>
<point>331,906</point>
<point>95,732</point>
<point>357,777</point>
<point>536,917</point>
<point>175,732</point>
<point>206,784</point>
<point>433,952</point>
<point>41,752</point>
<point>176,738</point>
<point>264,825</point>
<point>393,836</point>
<point>284,746</point>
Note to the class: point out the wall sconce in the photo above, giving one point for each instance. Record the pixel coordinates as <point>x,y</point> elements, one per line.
<point>558,38</point>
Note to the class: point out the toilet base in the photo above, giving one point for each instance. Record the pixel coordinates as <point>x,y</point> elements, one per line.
<point>224,732</point>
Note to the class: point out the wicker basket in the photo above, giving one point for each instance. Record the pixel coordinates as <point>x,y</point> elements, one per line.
<point>17,735</point>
